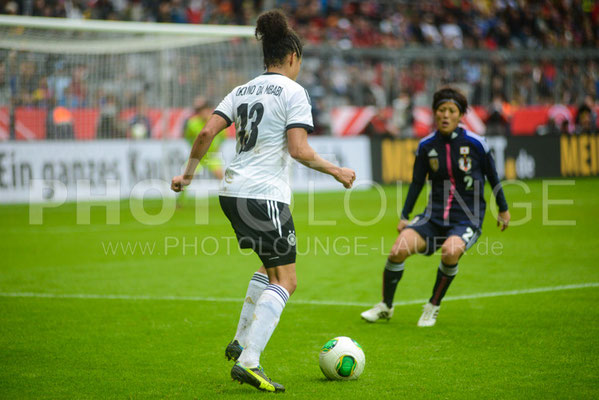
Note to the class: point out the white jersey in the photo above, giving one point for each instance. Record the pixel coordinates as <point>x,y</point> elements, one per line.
<point>263,110</point>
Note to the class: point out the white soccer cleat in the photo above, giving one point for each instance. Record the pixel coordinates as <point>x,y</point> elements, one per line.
<point>429,315</point>
<point>379,311</point>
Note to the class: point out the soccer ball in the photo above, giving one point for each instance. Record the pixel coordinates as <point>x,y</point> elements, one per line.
<point>342,358</point>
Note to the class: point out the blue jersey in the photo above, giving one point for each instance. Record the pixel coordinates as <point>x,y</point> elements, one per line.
<point>457,166</point>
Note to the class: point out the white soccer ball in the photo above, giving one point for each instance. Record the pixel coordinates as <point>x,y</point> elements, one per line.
<point>342,358</point>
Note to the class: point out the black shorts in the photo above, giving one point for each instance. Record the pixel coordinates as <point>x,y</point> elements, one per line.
<point>266,226</point>
<point>435,234</point>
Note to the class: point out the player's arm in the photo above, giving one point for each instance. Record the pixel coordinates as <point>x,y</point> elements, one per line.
<point>418,178</point>
<point>503,219</point>
<point>215,124</point>
<point>300,150</point>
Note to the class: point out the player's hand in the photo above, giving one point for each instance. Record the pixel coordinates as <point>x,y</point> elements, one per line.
<point>503,220</point>
<point>402,224</point>
<point>179,182</point>
<point>346,177</point>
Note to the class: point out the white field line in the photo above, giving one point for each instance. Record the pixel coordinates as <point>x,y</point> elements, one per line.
<point>299,301</point>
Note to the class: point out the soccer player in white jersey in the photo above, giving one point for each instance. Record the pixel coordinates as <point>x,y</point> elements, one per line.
<point>272,116</point>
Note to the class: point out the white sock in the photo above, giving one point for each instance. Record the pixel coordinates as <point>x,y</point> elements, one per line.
<point>266,317</point>
<point>257,285</point>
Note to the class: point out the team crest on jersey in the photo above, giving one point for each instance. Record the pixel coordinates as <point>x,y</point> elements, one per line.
<point>465,164</point>
<point>464,150</point>
<point>291,239</point>
<point>433,160</point>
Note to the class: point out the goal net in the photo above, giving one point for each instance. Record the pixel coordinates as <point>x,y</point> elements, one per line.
<point>99,79</point>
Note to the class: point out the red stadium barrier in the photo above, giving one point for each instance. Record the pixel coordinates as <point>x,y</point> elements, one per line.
<point>31,123</point>
<point>85,121</point>
<point>524,121</point>
<point>4,124</point>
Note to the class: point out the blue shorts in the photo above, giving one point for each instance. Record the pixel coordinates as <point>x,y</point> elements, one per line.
<point>435,234</point>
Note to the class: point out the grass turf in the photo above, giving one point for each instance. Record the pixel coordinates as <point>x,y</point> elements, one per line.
<point>537,345</point>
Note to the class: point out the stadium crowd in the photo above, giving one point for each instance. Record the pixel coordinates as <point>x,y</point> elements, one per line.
<point>335,80</point>
<point>488,24</point>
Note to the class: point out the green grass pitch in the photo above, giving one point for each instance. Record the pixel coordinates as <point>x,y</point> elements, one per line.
<point>126,323</point>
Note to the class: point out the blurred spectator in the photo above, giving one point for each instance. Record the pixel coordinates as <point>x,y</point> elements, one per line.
<point>590,103</point>
<point>74,9</point>
<point>430,31</point>
<point>5,87</point>
<point>498,120</point>
<point>59,122</point>
<point>379,125</point>
<point>59,83</point>
<point>76,93</point>
<point>103,9</point>
<point>139,125</point>
<point>452,33</point>
<point>135,11</point>
<point>41,95</point>
<point>11,8</point>
<point>27,82</point>
<point>108,125</point>
<point>400,124</point>
<point>584,121</point>
<point>561,121</point>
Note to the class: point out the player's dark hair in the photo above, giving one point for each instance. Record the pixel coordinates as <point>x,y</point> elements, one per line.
<point>450,94</point>
<point>278,39</point>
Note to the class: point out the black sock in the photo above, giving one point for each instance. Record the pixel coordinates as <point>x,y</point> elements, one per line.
<point>445,275</point>
<point>391,276</point>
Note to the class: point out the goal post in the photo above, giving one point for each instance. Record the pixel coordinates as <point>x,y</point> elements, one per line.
<point>91,80</point>
<point>220,31</point>
<point>87,79</point>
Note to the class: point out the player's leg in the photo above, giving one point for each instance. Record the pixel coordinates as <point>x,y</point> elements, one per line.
<point>460,239</point>
<point>409,242</point>
<point>257,284</point>
<point>268,310</point>
<point>451,251</point>
<point>276,248</point>
<point>267,313</point>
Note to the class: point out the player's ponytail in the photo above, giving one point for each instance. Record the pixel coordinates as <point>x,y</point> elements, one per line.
<point>278,39</point>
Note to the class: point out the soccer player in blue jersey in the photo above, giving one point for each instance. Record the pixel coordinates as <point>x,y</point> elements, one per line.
<point>457,162</point>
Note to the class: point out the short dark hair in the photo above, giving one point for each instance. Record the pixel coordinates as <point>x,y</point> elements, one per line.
<point>278,39</point>
<point>452,95</point>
